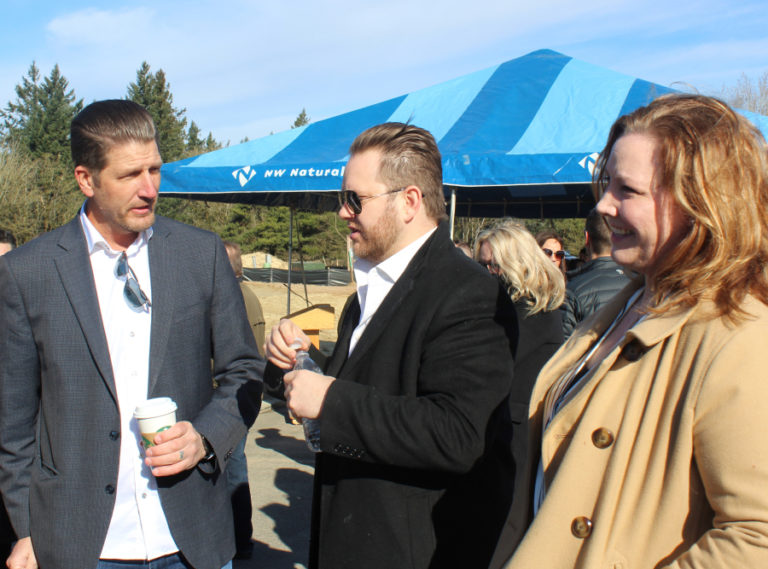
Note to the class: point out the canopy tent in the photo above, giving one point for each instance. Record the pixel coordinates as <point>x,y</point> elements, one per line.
<point>517,139</point>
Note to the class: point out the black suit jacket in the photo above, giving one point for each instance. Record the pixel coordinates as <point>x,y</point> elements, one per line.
<point>409,476</point>
<point>541,334</point>
<point>59,419</point>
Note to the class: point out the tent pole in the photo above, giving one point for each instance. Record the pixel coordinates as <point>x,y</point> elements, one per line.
<point>290,262</point>
<point>453,209</point>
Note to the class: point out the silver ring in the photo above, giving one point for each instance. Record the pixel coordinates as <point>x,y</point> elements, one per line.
<point>181,455</point>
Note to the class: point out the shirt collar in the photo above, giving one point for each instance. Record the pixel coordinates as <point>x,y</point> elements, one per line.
<point>96,242</point>
<point>395,265</point>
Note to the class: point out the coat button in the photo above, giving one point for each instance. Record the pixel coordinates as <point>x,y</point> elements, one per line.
<point>602,438</point>
<point>109,489</point>
<point>114,435</point>
<point>581,527</point>
<point>633,351</point>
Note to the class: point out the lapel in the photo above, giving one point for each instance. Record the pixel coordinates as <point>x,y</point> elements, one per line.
<point>339,356</point>
<point>394,300</point>
<point>74,268</point>
<point>648,333</point>
<point>162,264</point>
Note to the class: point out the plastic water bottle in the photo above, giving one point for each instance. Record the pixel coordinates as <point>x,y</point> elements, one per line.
<point>311,426</point>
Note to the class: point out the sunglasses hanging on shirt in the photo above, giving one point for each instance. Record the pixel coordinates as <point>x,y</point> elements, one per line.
<point>132,290</point>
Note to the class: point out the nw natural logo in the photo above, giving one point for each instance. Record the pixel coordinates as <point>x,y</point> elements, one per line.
<point>243,175</point>
<point>589,162</point>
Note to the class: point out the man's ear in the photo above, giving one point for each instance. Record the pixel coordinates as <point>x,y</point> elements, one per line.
<point>85,180</point>
<point>413,202</point>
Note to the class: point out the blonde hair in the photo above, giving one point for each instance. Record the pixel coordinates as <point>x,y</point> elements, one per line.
<point>526,271</point>
<point>714,164</point>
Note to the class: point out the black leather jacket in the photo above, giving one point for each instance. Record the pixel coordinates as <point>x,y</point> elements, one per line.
<point>590,287</point>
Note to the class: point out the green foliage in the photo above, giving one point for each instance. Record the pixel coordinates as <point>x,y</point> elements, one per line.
<point>570,229</point>
<point>195,145</point>
<point>466,228</point>
<point>38,193</point>
<point>152,91</point>
<point>302,119</point>
<point>211,144</point>
<point>38,121</point>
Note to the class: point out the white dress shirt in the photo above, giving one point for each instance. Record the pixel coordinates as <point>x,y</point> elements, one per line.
<point>137,529</point>
<point>375,281</point>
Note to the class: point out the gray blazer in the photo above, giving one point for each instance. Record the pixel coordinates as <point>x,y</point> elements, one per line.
<point>59,421</point>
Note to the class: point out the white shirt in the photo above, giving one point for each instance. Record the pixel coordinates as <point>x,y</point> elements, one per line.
<point>375,281</point>
<point>137,529</point>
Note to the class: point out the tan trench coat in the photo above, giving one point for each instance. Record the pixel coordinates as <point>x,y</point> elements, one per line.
<point>661,458</point>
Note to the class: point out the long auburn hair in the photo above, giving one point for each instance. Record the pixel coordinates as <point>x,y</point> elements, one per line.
<point>714,164</point>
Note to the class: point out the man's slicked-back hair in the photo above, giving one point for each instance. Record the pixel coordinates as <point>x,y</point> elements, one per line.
<point>409,156</point>
<point>102,124</point>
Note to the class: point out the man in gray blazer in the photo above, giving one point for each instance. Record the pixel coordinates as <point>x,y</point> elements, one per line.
<point>115,307</point>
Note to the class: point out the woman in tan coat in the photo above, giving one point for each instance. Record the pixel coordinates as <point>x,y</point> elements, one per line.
<point>651,420</point>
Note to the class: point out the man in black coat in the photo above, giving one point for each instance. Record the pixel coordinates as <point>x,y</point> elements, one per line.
<point>597,281</point>
<point>408,476</point>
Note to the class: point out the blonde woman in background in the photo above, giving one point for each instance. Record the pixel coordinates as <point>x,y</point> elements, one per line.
<point>650,421</point>
<point>537,289</point>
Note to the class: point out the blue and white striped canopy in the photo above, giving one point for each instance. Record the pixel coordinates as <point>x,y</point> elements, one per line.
<point>518,139</point>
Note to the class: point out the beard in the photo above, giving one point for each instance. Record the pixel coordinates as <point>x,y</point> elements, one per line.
<point>376,242</point>
<point>134,223</point>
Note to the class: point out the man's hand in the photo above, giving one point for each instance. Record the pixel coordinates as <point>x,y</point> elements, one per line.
<point>178,449</point>
<point>278,344</point>
<point>305,393</point>
<point>22,556</point>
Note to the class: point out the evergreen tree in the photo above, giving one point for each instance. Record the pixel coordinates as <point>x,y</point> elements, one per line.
<point>38,122</point>
<point>211,143</point>
<point>59,108</point>
<point>195,144</point>
<point>152,91</point>
<point>302,119</point>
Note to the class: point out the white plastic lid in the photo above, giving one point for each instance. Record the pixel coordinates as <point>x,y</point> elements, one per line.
<point>154,407</point>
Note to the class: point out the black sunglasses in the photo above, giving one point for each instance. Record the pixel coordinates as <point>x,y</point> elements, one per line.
<point>132,291</point>
<point>355,203</point>
<point>558,254</point>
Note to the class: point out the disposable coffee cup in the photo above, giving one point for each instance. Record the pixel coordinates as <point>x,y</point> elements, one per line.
<point>154,416</point>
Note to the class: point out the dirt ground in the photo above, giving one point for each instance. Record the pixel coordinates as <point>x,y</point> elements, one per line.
<point>273,298</point>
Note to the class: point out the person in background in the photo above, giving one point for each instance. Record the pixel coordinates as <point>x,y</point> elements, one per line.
<point>7,241</point>
<point>252,304</point>
<point>95,318</point>
<point>237,471</point>
<point>464,248</point>
<point>552,245</point>
<point>593,284</point>
<point>651,417</point>
<point>408,475</point>
<point>536,287</point>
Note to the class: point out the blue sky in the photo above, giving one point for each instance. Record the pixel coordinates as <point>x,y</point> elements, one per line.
<point>245,68</point>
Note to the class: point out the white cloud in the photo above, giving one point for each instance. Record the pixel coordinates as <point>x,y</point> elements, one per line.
<point>232,64</point>
<point>92,26</point>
